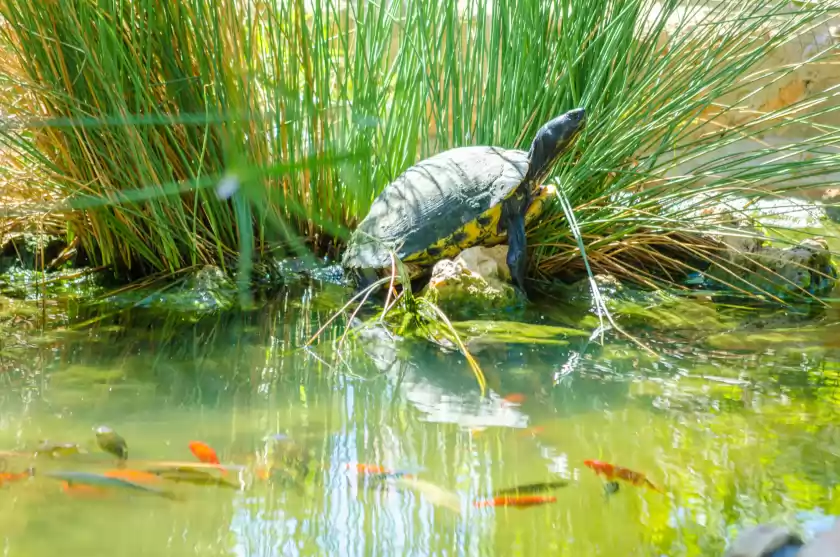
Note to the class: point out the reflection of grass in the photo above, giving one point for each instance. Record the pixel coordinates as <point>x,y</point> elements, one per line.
<point>133,111</point>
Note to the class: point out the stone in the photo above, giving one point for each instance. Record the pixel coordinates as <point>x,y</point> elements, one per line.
<point>204,290</point>
<point>473,284</point>
<point>783,272</point>
<point>831,204</point>
<point>487,262</point>
<point>296,270</point>
<point>608,286</point>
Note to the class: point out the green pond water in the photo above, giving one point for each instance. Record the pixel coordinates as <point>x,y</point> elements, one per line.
<point>736,420</point>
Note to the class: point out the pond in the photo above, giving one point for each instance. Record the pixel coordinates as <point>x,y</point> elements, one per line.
<point>735,421</point>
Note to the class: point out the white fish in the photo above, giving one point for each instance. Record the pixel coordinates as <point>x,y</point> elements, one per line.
<point>436,495</point>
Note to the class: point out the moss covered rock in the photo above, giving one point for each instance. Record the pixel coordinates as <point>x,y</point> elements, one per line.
<point>782,272</point>
<point>474,284</point>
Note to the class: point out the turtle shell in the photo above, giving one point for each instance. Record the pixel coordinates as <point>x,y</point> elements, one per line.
<point>438,207</point>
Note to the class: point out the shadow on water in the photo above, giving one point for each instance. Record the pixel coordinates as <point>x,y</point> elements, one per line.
<point>736,421</point>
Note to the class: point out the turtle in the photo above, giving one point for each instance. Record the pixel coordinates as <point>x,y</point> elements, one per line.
<point>111,442</point>
<point>57,450</point>
<point>459,198</point>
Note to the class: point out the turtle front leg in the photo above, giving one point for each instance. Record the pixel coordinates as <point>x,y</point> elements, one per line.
<point>517,256</point>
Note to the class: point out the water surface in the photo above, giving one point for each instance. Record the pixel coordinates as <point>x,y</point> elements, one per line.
<point>736,421</point>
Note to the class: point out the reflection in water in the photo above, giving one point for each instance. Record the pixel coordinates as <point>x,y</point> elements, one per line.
<point>735,427</point>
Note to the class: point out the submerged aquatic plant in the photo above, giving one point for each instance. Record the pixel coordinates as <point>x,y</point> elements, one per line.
<point>135,113</point>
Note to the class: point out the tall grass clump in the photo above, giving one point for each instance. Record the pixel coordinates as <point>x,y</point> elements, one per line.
<point>136,110</point>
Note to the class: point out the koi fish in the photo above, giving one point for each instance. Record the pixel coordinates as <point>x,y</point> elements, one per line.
<point>514,398</point>
<point>368,468</point>
<point>100,480</point>
<point>530,489</point>
<point>518,501</point>
<point>204,452</point>
<point>191,464</point>
<point>377,472</point>
<point>81,490</point>
<point>10,477</point>
<point>612,472</point>
<point>136,476</point>
<point>90,491</point>
<point>187,474</point>
<point>436,495</point>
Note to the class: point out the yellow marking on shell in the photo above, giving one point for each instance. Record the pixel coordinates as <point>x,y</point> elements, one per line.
<point>474,233</point>
<point>471,234</point>
<point>534,211</point>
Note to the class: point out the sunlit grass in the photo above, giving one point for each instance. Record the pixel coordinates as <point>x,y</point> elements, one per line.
<point>136,110</point>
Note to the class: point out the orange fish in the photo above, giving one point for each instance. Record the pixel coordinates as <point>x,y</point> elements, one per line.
<point>136,476</point>
<point>515,398</point>
<point>518,501</point>
<point>81,490</point>
<point>612,472</point>
<point>9,477</point>
<point>376,470</point>
<point>204,452</point>
<point>369,469</point>
<point>262,472</point>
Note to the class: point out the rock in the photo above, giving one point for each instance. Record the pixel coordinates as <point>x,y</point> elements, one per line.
<point>298,270</point>
<point>782,272</point>
<point>473,284</point>
<point>487,262</point>
<point>831,204</point>
<point>752,263</point>
<point>581,291</point>
<point>207,289</point>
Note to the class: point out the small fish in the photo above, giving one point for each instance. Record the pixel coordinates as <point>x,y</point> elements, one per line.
<point>518,501</point>
<point>368,468</point>
<point>514,398</point>
<point>377,472</point>
<point>110,442</point>
<point>100,480</point>
<point>204,452</point>
<point>54,450</point>
<point>531,488</point>
<point>436,495</point>
<point>81,490</point>
<point>187,474</point>
<point>11,477</point>
<point>136,476</point>
<point>191,464</point>
<point>612,472</point>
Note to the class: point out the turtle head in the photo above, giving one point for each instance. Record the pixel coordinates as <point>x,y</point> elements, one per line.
<point>552,140</point>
